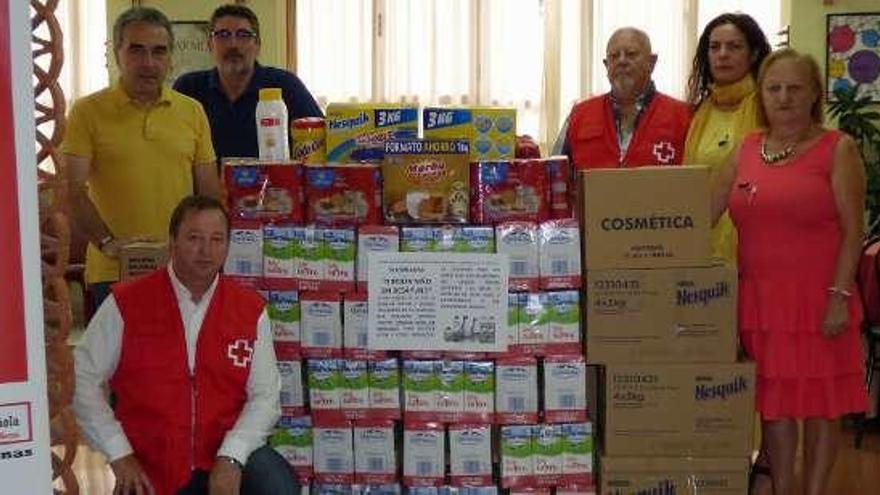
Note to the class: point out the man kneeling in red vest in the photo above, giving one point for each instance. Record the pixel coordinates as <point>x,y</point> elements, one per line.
<point>188,355</point>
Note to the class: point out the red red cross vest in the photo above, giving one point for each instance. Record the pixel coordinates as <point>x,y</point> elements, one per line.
<point>658,139</point>
<point>176,422</point>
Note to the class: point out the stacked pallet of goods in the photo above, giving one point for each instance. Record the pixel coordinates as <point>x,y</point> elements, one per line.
<point>500,403</point>
<point>677,408</point>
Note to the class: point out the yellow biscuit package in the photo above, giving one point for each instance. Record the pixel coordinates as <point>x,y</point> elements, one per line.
<point>357,132</point>
<point>426,181</point>
<point>490,131</point>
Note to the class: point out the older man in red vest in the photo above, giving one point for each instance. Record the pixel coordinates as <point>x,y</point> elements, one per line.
<point>634,124</point>
<point>188,356</point>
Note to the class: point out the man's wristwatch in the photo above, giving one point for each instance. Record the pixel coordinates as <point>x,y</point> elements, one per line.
<point>107,239</point>
<point>230,460</point>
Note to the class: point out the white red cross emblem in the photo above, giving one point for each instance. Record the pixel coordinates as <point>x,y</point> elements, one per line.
<point>664,151</point>
<point>240,352</point>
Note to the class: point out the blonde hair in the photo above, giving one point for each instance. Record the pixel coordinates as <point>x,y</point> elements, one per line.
<point>814,73</point>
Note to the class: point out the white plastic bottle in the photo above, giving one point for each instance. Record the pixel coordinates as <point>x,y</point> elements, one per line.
<point>272,125</point>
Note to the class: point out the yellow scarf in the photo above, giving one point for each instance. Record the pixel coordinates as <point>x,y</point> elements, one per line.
<point>745,118</point>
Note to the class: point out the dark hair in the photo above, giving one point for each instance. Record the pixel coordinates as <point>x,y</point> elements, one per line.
<point>235,10</point>
<point>147,15</point>
<point>701,75</point>
<point>194,203</point>
<point>814,73</point>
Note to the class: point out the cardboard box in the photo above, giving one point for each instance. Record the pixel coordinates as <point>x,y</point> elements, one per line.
<point>670,315</point>
<point>648,217</point>
<point>700,410</point>
<point>137,258</point>
<point>426,181</point>
<point>490,131</point>
<point>358,131</point>
<point>682,476</point>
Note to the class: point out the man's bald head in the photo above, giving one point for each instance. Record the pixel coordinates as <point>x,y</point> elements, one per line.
<point>629,62</point>
<point>636,34</point>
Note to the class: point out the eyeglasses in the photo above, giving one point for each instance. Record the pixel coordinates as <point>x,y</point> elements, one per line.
<point>239,34</point>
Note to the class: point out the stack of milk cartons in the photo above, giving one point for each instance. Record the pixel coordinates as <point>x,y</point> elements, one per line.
<point>678,408</point>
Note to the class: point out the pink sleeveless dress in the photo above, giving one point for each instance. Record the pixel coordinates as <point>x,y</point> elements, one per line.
<point>789,241</point>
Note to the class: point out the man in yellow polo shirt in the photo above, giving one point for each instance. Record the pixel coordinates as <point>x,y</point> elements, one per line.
<point>135,149</point>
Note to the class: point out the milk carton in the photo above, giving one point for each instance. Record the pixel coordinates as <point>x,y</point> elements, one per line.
<point>324,385</point>
<point>470,454</point>
<point>450,393</point>
<point>292,439</point>
<point>321,324</point>
<point>354,393</point>
<point>384,384</point>
<point>559,254</point>
<point>308,264</point>
<point>517,456</point>
<point>565,389</point>
<point>354,323</point>
<point>548,454</point>
<point>475,239</point>
<point>516,390</point>
<point>371,239</point>
<point>577,458</point>
<point>519,241</point>
<point>421,383</point>
<point>245,256</point>
<point>423,454</point>
<point>291,387</point>
<point>333,453</point>
<point>338,257</point>
<point>532,321</point>
<point>284,317</point>
<point>479,391</point>
<point>562,321</point>
<point>417,239</point>
<point>278,251</point>
<point>375,460</point>
<point>513,314</point>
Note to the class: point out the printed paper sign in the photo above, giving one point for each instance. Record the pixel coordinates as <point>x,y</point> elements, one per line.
<point>438,301</point>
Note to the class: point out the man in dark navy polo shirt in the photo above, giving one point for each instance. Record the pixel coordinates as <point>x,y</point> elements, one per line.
<point>229,92</point>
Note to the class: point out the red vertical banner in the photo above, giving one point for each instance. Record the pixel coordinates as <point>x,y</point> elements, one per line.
<point>13,351</point>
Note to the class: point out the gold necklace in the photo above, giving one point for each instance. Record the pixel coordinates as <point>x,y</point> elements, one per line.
<point>771,158</point>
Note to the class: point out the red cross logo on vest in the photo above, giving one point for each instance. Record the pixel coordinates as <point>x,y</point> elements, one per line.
<point>664,152</point>
<point>240,352</point>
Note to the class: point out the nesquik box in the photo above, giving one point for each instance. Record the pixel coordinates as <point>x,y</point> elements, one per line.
<point>343,195</point>
<point>426,181</point>
<point>269,192</point>
<point>509,190</point>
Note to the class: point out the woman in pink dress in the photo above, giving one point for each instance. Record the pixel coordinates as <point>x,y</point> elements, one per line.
<point>796,194</point>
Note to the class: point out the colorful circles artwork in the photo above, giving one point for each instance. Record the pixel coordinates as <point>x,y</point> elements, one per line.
<point>854,53</point>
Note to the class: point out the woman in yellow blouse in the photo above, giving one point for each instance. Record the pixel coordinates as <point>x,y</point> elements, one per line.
<point>721,88</point>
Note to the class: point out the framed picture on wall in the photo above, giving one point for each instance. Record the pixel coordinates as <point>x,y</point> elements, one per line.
<point>853,53</point>
<point>190,48</point>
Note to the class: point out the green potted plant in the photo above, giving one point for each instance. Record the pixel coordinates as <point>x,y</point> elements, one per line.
<point>859,118</point>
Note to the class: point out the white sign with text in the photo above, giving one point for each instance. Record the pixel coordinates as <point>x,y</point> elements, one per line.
<point>437,302</point>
